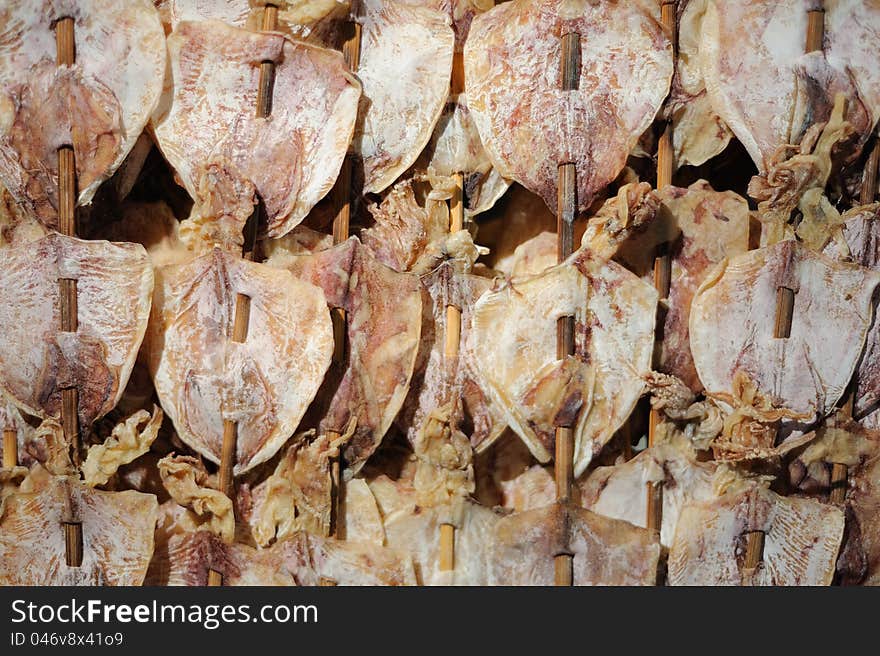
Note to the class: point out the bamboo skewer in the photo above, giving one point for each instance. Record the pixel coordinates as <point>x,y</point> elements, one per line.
<point>65,55</point>
<point>10,448</point>
<point>241,318</point>
<point>781,330</point>
<point>351,53</point>
<point>869,181</point>
<point>815,30</point>
<point>784,295</point>
<point>73,544</point>
<point>65,44</point>
<point>267,68</point>
<point>839,472</point>
<point>451,348</point>
<point>662,263</point>
<point>453,312</point>
<point>664,147</point>
<point>654,512</point>
<point>754,550</point>
<point>67,286</point>
<point>447,548</point>
<point>566,210</point>
<point>242,302</point>
<point>784,313</point>
<point>839,475</point>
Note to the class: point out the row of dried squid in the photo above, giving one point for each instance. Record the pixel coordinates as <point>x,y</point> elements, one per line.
<point>748,419</point>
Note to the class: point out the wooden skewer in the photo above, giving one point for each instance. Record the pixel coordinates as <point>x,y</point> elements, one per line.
<point>654,514</point>
<point>65,44</point>
<point>65,55</point>
<point>784,313</point>
<point>215,578</point>
<point>781,330</point>
<point>662,263</point>
<point>73,544</point>
<point>447,547</point>
<point>451,348</point>
<point>754,550</point>
<point>664,147</point>
<point>784,295</point>
<point>456,223</point>
<point>267,68</point>
<point>67,288</point>
<point>229,447</point>
<point>838,482</point>
<point>869,181</point>
<point>242,302</point>
<point>815,30</point>
<point>72,529</point>
<point>839,472</point>
<point>815,39</point>
<point>453,313</point>
<point>10,448</point>
<point>351,52</point>
<point>566,211</point>
<point>230,428</point>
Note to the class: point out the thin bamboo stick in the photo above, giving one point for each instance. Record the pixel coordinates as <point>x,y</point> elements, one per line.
<point>65,55</point>
<point>665,159</point>
<point>447,547</point>
<point>566,201</point>
<point>453,312</point>
<point>564,458</point>
<point>73,544</point>
<point>869,181</point>
<point>351,52</point>
<point>654,514</point>
<point>65,44</point>
<point>66,191</point>
<point>566,210</point>
<point>662,262</point>
<point>562,570</point>
<point>784,295</point>
<point>230,428</point>
<point>815,30</point>
<point>663,272</point>
<point>240,324</point>
<point>665,156</point>
<point>229,447</point>
<point>784,310</point>
<point>839,475</point>
<point>267,68</point>
<point>662,283</point>
<point>754,550</point>
<point>451,348</point>
<point>867,197</point>
<point>67,286</point>
<point>10,448</point>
